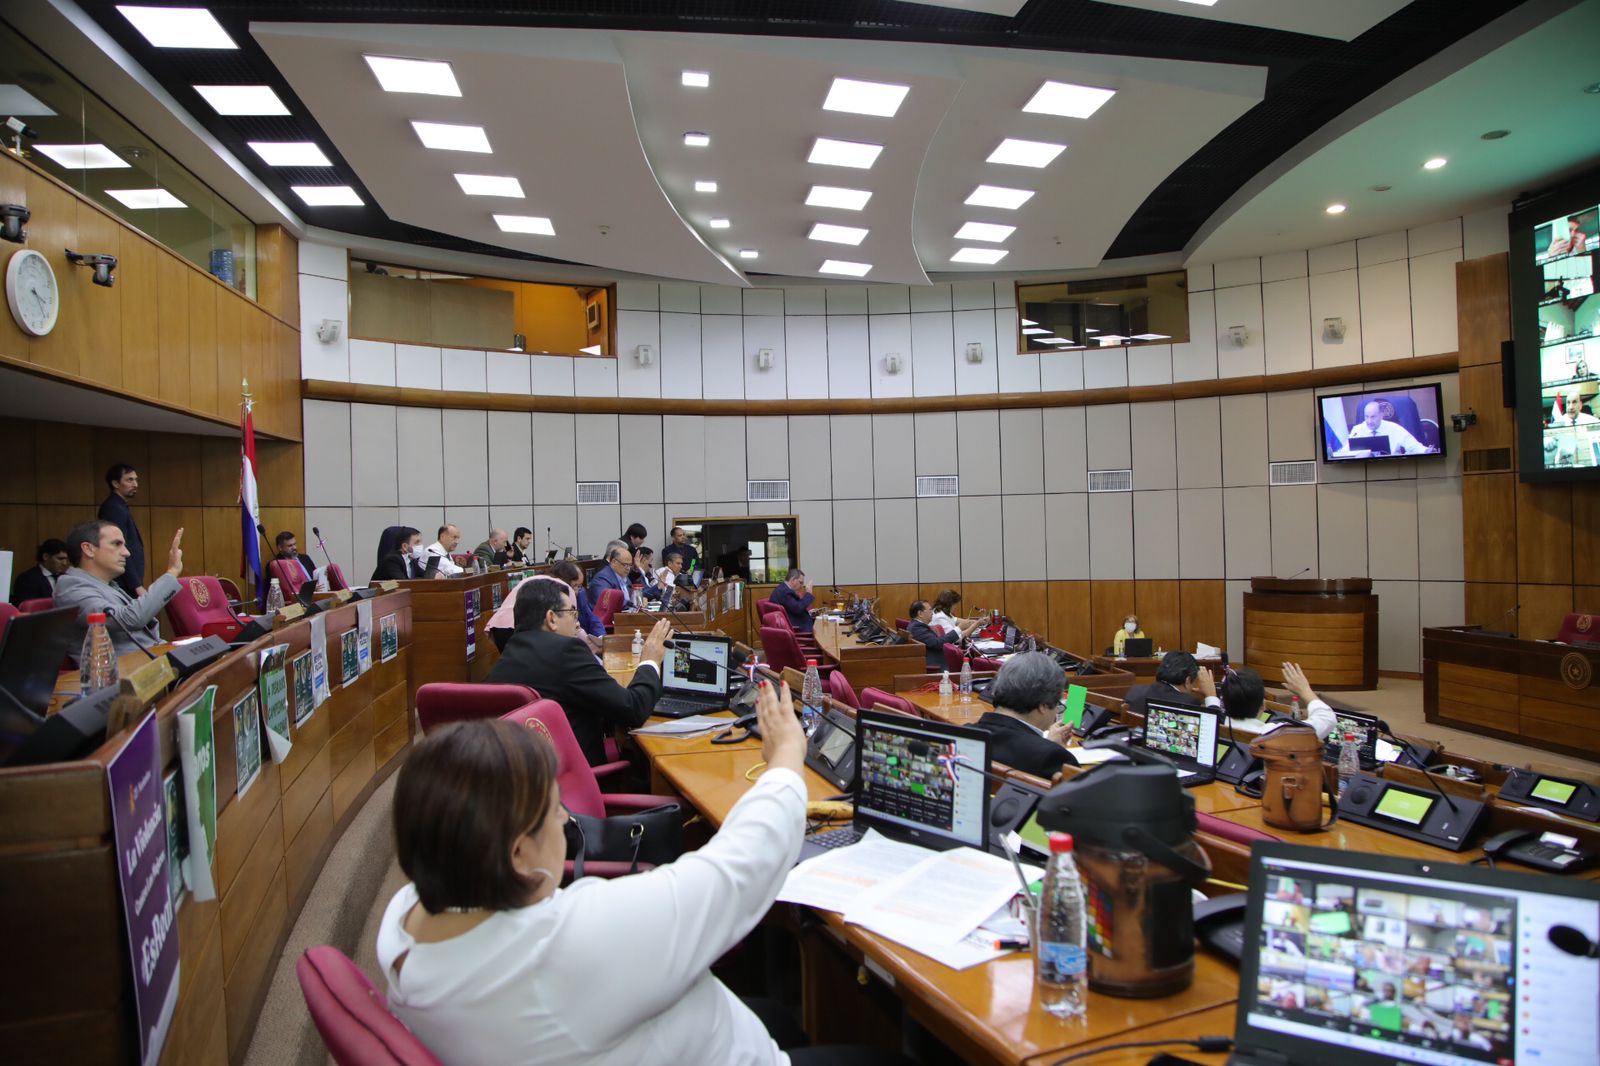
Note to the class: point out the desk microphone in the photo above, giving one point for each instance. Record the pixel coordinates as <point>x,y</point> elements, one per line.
<point>1573,942</point>
<point>1423,770</point>
<point>114,620</point>
<point>1291,577</point>
<point>315,532</point>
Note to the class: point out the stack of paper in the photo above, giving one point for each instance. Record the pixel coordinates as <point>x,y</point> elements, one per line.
<point>692,726</point>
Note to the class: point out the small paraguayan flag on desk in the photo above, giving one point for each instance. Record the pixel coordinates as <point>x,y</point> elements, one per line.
<point>249,502</point>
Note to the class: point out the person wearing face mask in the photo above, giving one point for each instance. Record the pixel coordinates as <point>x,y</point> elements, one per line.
<point>1130,628</point>
<point>401,556</point>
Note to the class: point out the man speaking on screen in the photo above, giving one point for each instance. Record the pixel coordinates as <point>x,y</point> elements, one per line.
<point>1373,424</point>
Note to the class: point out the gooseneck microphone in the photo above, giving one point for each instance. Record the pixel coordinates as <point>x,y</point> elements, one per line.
<point>1573,942</point>
<point>1303,570</point>
<point>114,620</point>
<point>315,532</point>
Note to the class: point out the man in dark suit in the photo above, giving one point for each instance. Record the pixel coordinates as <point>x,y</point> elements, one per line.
<point>922,631</point>
<point>613,575</point>
<point>682,549</point>
<point>1025,725</point>
<point>1179,680</point>
<point>123,481</point>
<point>39,582</point>
<point>547,654</point>
<point>796,599</point>
<point>289,551</point>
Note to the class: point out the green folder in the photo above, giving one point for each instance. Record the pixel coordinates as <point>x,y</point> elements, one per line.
<point>1072,706</point>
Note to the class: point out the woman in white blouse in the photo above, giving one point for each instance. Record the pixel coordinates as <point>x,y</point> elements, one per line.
<point>489,961</point>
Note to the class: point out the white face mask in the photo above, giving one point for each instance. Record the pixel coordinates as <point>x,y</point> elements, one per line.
<point>1131,627</point>
<point>418,553</point>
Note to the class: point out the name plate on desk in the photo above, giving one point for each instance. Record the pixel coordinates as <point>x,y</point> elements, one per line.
<point>343,595</point>
<point>389,586</point>
<point>150,680</point>
<point>290,613</point>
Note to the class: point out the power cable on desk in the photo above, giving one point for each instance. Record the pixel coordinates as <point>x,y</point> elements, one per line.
<point>1207,1044</point>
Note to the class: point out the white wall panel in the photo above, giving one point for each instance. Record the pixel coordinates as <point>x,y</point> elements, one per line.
<point>1438,518</point>
<point>1060,371</point>
<point>679,297</point>
<point>763,302</point>
<point>1201,277</point>
<point>896,533</point>
<point>1342,529</point>
<point>368,526</point>
<point>374,470</point>
<point>1022,537</point>
<point>679,356</point>
<point>1155,534</point>
<point>1153,431</point>
<point>509,373</point>
<point>1149,364</point>
<point>1018,371</point>
<point>640,441</point>
<point>888,299</point>
<point>721,300</point>
<point>1235,272</point>
<point>594,376</point>
<point>805,300</point>
<point>638,295</point>
<point>1200,531</point>
<point>633,329</point>
<point>814,531</point>
<point>1386,311</point>
<point>967,295</point>
<point>722,357</point>
<point>1434,237</point>
<point>886,334</point>
<point>419,433</point>
<point>1244,439</point>
<point>981,545</point>
<point>653,516</point>
<point>325,431</point>
<point>1066,449</point>
<point>1335,295</point>
<point>551,375</point>
<point>371,362</point>
<point>1399,625</point>
<point>724,458</point>
<point>933,354</point>
<point>472,521</point>
<point>806,355</point>
<point>1392,530</point>
<point>1105,368</point>
<point>935,433</point>
<point>598,525</point>
<point>765,331</point>
<point>1383,248</point>
<point>852,457</point>
<point>462,370</point>
<point>1283,265</point>
<point>1286,325</point>
<point>1332,257</point>
<point>938,541</point>
<point>1111,535</point>
<point>1292,426</point>
<point>847,355</point>
<point>1021,451</point>
<point>1198,427</point>
<point>1294,530</point>
<point>324,298</point>
<point>1066,527</point>
<point>767,450</point>
<point>466,457</point>
<point>847,300</point>
<point>930,298</point>
<point>1107,428</point>
<point>417,367</point>
<point>555,460</point>
<point>597,458</point>
<point>854,535</point>
<point>557,523</point>
<point>894,472</point>
<point>810,458</point>
<point>978,461</point>
<point>510,458</point>
<point>338,534</point>
<point>1005,294</point>
<point>1240,306</point>
<point>1433,302</point>
<point>324,260</point>
<point>1246,531</point>
<point>1443,603</point>
<point>1485,233</point>
<point>975,327</point>
<point>1196,360</point>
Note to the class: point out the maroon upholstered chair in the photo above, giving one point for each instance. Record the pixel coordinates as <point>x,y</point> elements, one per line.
<point>200,609</point>
<point>580,791</point>
<point>336,579</point>
<point>766,608</point>
<point>442,702</point>
<point>7,613</point>
<point>290,577</point>
<point>980,663</point>
<point>1226,830</point>
<point>902,623</point>
<point>953,657</point>
<point>782,651</point>
<point>840,690</point>
<point>44,603</point>
<point>780,619</point>
<point>608,605</point>
<point>1579,628</point>
<point>351,1015</point>
<point>888,701</point>
<point>231,589</point>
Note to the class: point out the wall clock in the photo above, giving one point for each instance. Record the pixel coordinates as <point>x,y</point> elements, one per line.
<point>32,292</point>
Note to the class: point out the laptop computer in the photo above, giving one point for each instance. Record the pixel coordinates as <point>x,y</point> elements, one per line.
<point>694,676</point>
<point>1366,729</point>
<point>909,788</point>
<point>1377,445</point>
<point>1184,736</point>
<point>1357,958</point>
<point>31,651</point>
<point>1138,647</point>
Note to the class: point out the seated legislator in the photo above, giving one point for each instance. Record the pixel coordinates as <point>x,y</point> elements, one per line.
<point>1026,721</point>
<point>517,550</point>
<point>794,595</point>
<point>488,960</point>
<point>1373,424</point>
<point>547,653</point>
<point>681,548</point>
<point>39,582</point>
<point>668,587</point>
<point>922,631</point>
<point>288,549</point>
<point>643,570</point>
<point>444,547</point>
<point>1243,696</point>
<point>593,629</point>
<point>493,550</point>
<point>1130,628</point>
<point>614,574</point>
<point>99,554</point>
<point>402,558</point>
<point>944,610</point>
<point>1178,681</point>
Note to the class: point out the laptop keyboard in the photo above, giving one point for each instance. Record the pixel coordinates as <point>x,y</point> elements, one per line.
<point>672,705</point>
<point>836,838</point>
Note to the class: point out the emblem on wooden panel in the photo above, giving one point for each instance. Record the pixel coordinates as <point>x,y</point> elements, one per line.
<point>1576,672</point>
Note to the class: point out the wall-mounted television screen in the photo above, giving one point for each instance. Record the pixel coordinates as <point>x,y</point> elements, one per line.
<point>1393,423</point>
<point>1555,242</point>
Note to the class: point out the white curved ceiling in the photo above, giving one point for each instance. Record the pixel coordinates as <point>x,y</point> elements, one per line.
<point>591,123</point>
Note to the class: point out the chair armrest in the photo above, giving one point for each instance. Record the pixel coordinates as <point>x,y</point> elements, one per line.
<point>226,630</point>
<point>619,802</point>
<point>606,769</point>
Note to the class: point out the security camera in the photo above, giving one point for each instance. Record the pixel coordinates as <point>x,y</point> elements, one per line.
<point>103,265</point>
<point>12,218</point>
<point>21,128</point>
<point>1462,421</point>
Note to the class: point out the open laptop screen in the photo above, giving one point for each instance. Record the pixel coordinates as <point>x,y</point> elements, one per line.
<point>1360,958</point>
<point>702,672</point>
<point>909,783</point>
<point>1189,734</point>
<point>1365,729</point>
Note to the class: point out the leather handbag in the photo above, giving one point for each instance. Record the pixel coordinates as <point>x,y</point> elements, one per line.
<point>1296,779</point>
<point>653,837</point>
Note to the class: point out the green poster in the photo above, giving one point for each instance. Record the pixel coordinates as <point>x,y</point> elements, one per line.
<point>349,658</point>
<point>304,699</point>
<point>273,685</point>
<point>388,637</point>
<point>1072,706</point>
<point>177,837</point>
<point>247,741</point>
<point>197,755</point>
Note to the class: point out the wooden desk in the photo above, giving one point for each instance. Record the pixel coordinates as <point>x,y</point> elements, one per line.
<point>1218,1021</point>
<point>439,615</point>
<point>1144,667</point>
<point>1329,627</point>
<point>624,623</point>
<point>712,781</point>
<point>868,665</point>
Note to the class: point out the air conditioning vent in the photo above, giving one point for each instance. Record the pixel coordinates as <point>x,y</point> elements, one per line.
<point>766,491</point>
<point>1111,481</point>
<point>599,492</point>
<point>1300,472</point>
<point>939,485</point>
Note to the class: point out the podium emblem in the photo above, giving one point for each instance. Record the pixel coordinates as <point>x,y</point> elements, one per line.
<point>1576,672</point>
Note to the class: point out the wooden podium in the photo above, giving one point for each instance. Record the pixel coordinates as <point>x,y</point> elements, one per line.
<point>1328,626</point>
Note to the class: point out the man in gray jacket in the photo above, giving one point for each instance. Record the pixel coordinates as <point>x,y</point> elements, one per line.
<point>99,555</point>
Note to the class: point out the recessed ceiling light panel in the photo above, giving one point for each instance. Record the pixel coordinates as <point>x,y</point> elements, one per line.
<point>1035,331</point>
<point>696,139</point>
<point>327,195</point>
<point>1019,153</point>
<point>857,154</point>
<point>824,231</point>
<point>719,223</point>
<point>145,199</point>
<point>178,27</point>
<point>290,154</point>
<point>705,186</point>
<point>489,185</point>
<point>1068,100</point>
<point>984,231</point>
<point>82,156</point>
<point>1438,162</point>
<point>1151,337</point>
<point>845,267</point>
<point>979,255</point>
<point>448,137</point>
<point>525,224</point>
<point>242,99</point>
<point>999,196</point>
<point>865,97</point>
<point>429,77</point>
<point>748,253</point>
<point>833,196</point>
<point>697,79</point>
<point>1336,209</point>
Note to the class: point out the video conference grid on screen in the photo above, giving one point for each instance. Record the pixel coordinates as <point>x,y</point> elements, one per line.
<point>922,788</point>
<point>1569,352</point>
<point>1384,424</point>
<point>706,671</point>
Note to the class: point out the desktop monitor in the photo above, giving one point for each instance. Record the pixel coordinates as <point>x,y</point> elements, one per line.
<point>1402,422</point>
<point>911,784</point>
<point>31,652</point>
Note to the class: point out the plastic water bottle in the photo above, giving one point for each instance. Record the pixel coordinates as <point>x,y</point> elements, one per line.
<point>97,661</point>
<point>1061,957</point>
<point>811,697</point>
<point>1349,757</point>
<point>274,597</point>
<point>1294,709</point>
<point>638,645</point>
<point>945,688</point>
<point>966,680</point>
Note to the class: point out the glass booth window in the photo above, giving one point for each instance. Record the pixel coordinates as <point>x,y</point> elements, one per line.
<point>89,147</point>
<point>1103,312</point>
<point>761,550</point>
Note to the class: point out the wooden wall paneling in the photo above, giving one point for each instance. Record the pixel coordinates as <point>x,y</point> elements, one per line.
<point>1483,309</point>
<point>54,228</point>
<point>239,907</point>
<point>1028,604</point>
<point>19,531</point>
<point>1586,599</point>
<point>1069,617</point>
<point>158,530</point>
<point>930,590</point>
<point>13,190</point>
<point>219,471</point>
<point>1585,533</point>
<point>278,272</point>
<point>246,983</point>
<point>100,357</point>
<point>202,342</point>
<point>1489,533</point>
<point>1203,613</point>
<point>172,328</point>
<point>989,595</point>
<point>302,858</point>
<point>17,482</point>
<point>1481,393</point>
<point>138,289</point>
<point>1544,607</point>
<point>253,337</point>
<point>172,475</point>
<point>1156,603</point>
<point>199,1034</point>
<point>57,519</point>
<point>1544,534</point>
<point>112,446</point>
<point>1109,604</point>
<point>221,546</point>
<point>69,476</point>
<point>280,473</point>
<point>230,356</point>
<point>286,342</point>
<point>894,598</point>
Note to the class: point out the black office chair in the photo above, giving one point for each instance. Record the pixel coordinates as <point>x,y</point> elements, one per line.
<point>1428,434</point>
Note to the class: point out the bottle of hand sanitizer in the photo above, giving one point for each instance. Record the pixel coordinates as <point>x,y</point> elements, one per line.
<point>945,688</point>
